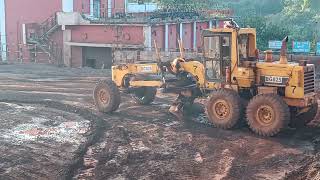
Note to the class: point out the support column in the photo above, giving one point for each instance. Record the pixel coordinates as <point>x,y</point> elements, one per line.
<point>125,6</point>
<point>3,37</point>
<point>181,32</point>
<point>147,37</point>
<point>109,8</point>
<point>67,48</point>
<point>91,8</point>
<point>195,36</point>
<point>166,39</point>
<point>24,35</point>
<point>210,40</point>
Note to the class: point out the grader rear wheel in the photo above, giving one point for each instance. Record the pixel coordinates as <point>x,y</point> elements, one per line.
<point>224,108</point>
<point>144,95</point>
<point>106,96</point>
<point>267,114</point>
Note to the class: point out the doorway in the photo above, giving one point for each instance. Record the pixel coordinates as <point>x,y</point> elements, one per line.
<point>67,5</point>
<point>97,57</point>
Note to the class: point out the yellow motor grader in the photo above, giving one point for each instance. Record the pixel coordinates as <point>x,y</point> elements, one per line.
<point>278,93</point>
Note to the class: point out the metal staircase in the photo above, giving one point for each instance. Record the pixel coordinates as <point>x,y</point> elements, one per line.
<point>41,39</point>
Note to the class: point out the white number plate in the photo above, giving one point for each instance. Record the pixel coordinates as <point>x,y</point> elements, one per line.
<point>273,79</point>
<point>146,69</point>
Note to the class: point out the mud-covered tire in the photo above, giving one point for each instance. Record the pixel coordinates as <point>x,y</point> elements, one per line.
<point>106,96</point>
<point>144,95</point>
<point>224,108</point>
<point>303,119</point>
<point>267,115</point>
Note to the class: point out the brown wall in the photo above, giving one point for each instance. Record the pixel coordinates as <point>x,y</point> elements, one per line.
<point>76,57</point>
<point>82,6</point>
<point>132,35</point>
<point>173,36</point>
<point>20,12</point>
<point>188,35</point>
<point>200,27</point>
<point>158,34</point>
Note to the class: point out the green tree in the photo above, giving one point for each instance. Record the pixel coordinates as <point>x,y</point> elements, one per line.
<point>265,31</point>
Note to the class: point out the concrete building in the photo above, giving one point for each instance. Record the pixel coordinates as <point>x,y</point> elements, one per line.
<point>80,33</point>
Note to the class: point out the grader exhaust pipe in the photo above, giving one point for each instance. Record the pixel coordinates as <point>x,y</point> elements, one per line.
<point>283,53</point>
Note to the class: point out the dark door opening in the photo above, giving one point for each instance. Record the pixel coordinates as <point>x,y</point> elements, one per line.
<point>97,57</point>
<point>91,63</point>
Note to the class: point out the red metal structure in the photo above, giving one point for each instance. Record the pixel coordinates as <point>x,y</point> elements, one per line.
<point>90,32</point>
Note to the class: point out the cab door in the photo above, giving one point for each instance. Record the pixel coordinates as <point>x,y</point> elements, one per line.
<point>217,55</point>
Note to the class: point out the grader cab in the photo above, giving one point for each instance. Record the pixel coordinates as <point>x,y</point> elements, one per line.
<point>229,73</point>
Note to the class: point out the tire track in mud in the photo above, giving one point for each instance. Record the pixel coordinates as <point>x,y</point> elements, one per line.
<point>97,127</point>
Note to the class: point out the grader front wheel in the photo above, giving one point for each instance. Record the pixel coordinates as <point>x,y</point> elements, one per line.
<point>224,108</point>
<point>106,96</point>
<point>267,115</point>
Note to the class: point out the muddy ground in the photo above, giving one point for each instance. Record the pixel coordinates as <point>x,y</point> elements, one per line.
<point>49,129</point>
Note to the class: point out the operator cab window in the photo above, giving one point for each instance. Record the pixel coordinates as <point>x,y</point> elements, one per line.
<point>246,47</point>
<point>217,53</point>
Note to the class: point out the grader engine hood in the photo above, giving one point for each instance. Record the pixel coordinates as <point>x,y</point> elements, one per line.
<point>297,80</point>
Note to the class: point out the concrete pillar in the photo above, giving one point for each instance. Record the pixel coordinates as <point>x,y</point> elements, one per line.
<point>147,37</point>
<point>166,39</point>
<point>109,8</point>
<point>181,32</point>
<point>67,48</point>
<point>91,8</point>
<point>3,37</point>
<point>24,35</point>
<point>125,6</point>
<point>210,41</point>
<point>195,36</point>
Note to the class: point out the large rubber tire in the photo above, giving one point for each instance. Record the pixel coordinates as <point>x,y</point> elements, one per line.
<point>106,96</point>
<point>144,95</point>
<point>303,119</point>
<point>267,115</point>
<point>224,109</point>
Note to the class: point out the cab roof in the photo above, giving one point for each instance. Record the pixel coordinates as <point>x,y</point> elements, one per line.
<point>208,32</point>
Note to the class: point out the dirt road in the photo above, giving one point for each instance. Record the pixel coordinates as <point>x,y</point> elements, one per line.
<point>49,129</point>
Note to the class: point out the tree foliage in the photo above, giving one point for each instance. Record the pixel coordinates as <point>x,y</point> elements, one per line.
<point>274,19</point>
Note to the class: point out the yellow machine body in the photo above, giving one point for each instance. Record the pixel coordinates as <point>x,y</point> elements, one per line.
<point>296,81</point>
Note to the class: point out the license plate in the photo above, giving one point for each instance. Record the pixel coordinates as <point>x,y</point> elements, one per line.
<point>273,79</point>
<point>146,69</point>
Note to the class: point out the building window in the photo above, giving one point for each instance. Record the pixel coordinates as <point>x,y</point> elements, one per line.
<point>141,6</point>
<point>96,8</point>
<point>142,1</point>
